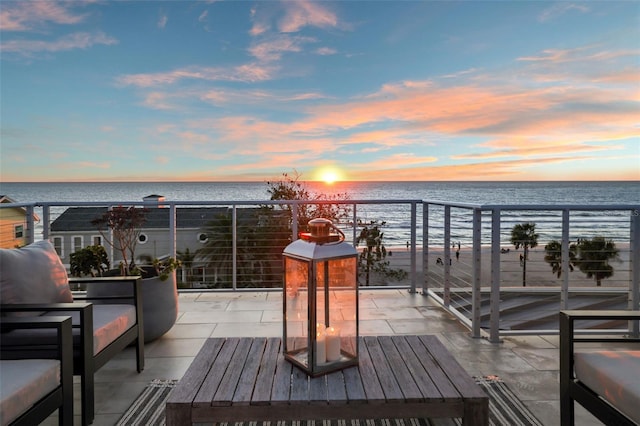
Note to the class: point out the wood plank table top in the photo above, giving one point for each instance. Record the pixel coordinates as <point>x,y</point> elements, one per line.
<point>248,379</point>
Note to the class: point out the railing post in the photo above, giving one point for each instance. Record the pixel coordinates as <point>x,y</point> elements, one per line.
<point>476,273</point>
<point>355,225</point>
<point>294,221</point>
<point>634,282</point>
<point>172,230</point>
<point>564,291</point>
<point>46,221</point>
<point>413,247</point>
<point>31,231</point>
<point>447,256</point>
<point>234,247</point>
<point>494,332</point>
<point>425,248</point>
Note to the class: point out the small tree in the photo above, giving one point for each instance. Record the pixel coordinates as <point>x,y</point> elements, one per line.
<point>124,223</point>
<point>524,235</point>
<point>593,258</point>
<point>372,258</point>
<point>290,187</point>
<point>553,256</point>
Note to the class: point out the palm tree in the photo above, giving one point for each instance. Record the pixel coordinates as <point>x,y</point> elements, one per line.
<point>593,258</point>
<point>524,235</point>
<point>553,256</point>
<point>373,256</point>
<point>186,258</point>
<point>218,250</point>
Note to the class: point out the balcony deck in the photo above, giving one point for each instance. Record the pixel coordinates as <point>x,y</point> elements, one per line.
<point>528,364</point>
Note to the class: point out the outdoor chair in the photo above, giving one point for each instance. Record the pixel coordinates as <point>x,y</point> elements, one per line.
<point>33,280</point>
<point>605,377</point>
<point>33,389</point>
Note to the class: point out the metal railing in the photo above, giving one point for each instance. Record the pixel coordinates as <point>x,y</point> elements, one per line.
<point>465,260</point>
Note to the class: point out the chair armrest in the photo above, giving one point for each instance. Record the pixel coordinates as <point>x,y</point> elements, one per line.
<point>135,281</point>
<point>568,337</point>
<point>85,311</point>
<point>63,327</point>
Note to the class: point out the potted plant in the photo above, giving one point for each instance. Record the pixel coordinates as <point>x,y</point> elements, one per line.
<point>120,228</point>
<point>90,261</point>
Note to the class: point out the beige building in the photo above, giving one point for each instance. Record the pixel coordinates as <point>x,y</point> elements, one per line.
<point>13,225</point>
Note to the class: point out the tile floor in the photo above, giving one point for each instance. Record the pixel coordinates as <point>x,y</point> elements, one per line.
<point>528,364</point>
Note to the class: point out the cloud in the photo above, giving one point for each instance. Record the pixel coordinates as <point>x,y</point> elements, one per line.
<point>30,15</point>
<point>560,9</point>
<point>89,165</point>
<point>272,48</point>
<point>242,73</point>
<point>325,51</point>
<point>69,42</point>
<point>306,13</point>
<point>531,148</point>
<point>162,21</point>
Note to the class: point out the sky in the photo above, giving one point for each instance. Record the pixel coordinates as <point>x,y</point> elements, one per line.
<point>348,90</point>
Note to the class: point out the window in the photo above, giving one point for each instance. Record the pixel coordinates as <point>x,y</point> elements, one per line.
<point>202,237</point>
<point>18,231</point>
<point>57,244</point>
<point>142,238</point>
<point>77,243</point>
<point>96,240</point>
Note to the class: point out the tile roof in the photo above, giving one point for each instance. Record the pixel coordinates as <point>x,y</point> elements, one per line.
<point>79,218</point>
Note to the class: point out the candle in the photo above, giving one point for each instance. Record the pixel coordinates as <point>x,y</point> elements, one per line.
<point>333,344</point>
<point>321,349</point>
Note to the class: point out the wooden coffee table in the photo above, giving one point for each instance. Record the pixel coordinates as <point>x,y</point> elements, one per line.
<point>248,379</point>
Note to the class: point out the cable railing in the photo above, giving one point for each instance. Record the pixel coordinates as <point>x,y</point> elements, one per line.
<point>577,257</point>
<point>462,255</point>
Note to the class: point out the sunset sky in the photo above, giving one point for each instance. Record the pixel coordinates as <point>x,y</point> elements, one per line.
<point>380,90</point>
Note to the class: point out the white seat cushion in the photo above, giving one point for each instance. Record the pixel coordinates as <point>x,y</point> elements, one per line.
<point>109,322</point>
<point>23,383</point>
<point>615,376</point>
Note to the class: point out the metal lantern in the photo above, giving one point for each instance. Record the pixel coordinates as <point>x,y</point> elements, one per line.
<point>320,301</point>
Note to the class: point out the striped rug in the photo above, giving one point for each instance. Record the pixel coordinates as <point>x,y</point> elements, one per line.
<point>505,409</point>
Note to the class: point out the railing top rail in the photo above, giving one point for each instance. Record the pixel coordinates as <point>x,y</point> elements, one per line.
<point>582,207</point>
<point>201,203</point>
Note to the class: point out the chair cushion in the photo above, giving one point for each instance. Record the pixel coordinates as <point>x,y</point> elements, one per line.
<point>33,274</point>
<point>109,322</point>
<point>614,375</point>
<point>24,382</point>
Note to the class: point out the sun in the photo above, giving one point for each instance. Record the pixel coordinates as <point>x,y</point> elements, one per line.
<point>328,175</point>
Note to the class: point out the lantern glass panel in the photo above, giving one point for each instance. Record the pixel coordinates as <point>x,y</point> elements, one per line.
<point>336,304</point>
<point>296,316</point>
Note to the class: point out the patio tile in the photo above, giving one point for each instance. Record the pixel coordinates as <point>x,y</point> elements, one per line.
<point>187,331</point>
<point>248,330</point>
<point>221,317</point>
<point>175,348</point>
<point>375,327</point>
<point>389,313</point>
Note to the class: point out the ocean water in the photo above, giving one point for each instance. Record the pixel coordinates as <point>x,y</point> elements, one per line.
<point>611,224</point>
<point>463,192</point>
